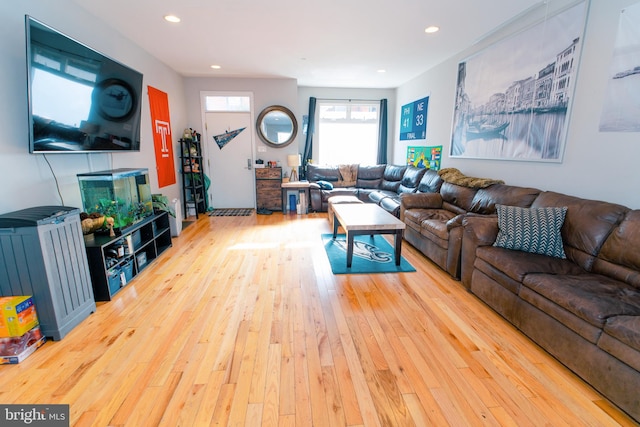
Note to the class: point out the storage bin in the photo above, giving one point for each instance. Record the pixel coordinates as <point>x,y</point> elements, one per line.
<point>127,269</point>
<point>113,277</point>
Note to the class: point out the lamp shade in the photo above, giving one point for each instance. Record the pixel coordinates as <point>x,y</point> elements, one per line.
<point>293,160</point>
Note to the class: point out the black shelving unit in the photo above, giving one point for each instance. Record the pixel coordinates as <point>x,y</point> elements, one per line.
<point>193,189</point>
<point>115,261</point>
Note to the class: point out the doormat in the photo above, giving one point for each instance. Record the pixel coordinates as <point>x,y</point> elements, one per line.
<point>231,212</point>
<point>371,254</point>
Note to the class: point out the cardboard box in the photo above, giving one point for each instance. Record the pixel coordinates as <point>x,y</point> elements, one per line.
<point>17,316</point>
<point>15,349</point>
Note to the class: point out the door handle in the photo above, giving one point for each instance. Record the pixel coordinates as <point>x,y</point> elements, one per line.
<point>249,164</point>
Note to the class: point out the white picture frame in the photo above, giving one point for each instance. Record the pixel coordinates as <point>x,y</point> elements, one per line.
<point>513,98</point>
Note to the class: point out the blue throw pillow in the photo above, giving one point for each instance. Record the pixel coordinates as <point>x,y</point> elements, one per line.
<point>325,185</point>
<point>535,230</point>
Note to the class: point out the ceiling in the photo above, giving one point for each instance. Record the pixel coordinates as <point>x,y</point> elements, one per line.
<point>331,43</point>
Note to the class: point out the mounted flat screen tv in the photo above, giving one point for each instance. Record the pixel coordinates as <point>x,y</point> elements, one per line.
<point>79,99</point>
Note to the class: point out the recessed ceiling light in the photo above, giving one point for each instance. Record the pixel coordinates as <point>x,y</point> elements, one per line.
<point>382,71</point>
<point>216,67</point>
<point>432,29</point>
<point>171,18</point>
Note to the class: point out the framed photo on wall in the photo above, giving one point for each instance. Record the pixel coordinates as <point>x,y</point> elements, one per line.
<point>425,157</point>
<point>513,98</point>
<point>621,110</point>
<point>413,120</point>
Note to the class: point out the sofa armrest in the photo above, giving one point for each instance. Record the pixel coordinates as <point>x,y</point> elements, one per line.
<point>455,222</point>
<point>315,194</point>
<point>478,230</point>
<point>421,200</point>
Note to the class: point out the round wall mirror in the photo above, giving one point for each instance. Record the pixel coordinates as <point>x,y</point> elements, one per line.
<point>277,126</point>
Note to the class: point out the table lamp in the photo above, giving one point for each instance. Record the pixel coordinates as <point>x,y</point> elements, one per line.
<point>293,160</point>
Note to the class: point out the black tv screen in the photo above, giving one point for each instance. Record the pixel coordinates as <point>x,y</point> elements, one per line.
<point>79,99</point>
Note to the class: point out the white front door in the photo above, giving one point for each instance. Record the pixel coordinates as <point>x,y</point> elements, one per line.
<point>230,167</point>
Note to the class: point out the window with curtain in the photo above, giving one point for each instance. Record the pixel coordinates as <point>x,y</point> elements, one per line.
<point>347,132</point>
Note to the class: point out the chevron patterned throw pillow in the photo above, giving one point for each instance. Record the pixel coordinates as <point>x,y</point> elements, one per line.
<point>535,230</point>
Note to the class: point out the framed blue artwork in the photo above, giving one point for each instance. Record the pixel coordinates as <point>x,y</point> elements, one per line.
<point>413,120</point>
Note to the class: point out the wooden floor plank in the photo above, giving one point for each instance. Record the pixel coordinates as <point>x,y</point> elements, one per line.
<point>241,322</point>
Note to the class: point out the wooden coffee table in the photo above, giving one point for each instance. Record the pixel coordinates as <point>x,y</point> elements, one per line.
<point>366,218</point>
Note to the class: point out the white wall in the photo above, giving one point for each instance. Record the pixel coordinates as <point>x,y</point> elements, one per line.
<point>27,179</point>
<point>596,165</point>
<point>266,92</point>
<point>304,93</point>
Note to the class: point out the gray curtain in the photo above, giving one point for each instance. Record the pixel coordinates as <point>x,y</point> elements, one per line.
<point>382,133</point>
<point>308,145</point>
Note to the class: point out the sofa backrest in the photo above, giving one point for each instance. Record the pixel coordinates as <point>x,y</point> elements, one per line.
<point>587,225</point>
<point>411,179</point>
<point>485,200</point>
<point>456,198</point>
<point>430,182</point>
<point>322,173</point>
<point>620,254</point>
<point>370,176</point>
<point>392,177</point>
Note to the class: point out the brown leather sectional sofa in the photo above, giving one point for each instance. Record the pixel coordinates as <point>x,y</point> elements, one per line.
<point>434,221</point>
<point>380,184</point>
<point>583,309</point>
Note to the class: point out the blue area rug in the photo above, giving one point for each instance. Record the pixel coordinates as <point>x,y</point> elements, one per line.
<point>371,254</point>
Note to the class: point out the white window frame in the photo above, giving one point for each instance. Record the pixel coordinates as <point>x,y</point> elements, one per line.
<point>328,155</point>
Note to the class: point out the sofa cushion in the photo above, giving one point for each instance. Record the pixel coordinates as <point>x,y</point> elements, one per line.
<point>421,201</point>
<point>485,200</point>
<point>517,264</point>
<point>435,227</point>
<point>620,254</point>
<point>621,339</point>
<point>391,205</point>
<point>392,177</point>
<point>411,179</point>
<point>370,176</point>
<point>377,195</point>
<point>587,225</point>
<point>591,297</point>
<point>430,182</point>
<point>322,173</point>
<point>531,230</point>
<point>626,329</point>
<point>456,197</point>
<point>415,217</point>
<point>568,319</point>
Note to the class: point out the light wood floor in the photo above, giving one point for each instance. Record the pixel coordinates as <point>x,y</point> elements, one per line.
<point>243,323</point>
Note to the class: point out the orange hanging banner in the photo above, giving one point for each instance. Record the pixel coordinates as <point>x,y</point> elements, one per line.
<point>162,138</point>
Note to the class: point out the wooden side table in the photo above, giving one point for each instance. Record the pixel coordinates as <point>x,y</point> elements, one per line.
<point>268,182</point>
<point>295,185</point>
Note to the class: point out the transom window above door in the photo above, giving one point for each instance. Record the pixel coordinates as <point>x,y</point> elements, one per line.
<point>219,103</point>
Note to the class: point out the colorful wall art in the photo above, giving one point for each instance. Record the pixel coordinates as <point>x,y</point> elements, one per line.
<point>425,157</point>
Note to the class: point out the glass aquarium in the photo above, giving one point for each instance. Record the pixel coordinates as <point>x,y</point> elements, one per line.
<point>123,194</point>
